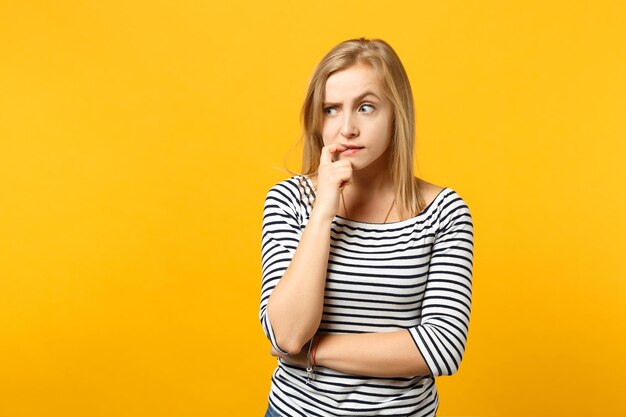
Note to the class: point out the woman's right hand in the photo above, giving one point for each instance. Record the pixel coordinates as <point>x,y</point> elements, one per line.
<point>332,175</point>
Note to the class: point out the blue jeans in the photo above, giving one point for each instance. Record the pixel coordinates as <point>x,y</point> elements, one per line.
<point>271,411</point>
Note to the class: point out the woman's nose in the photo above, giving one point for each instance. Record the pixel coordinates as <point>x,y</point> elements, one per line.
<point>349,128</point>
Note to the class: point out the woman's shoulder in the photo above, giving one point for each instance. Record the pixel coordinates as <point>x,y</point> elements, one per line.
<point>293,190</point>
<point>291,182</point>
<point>429,190</point>
<point>446,199</point>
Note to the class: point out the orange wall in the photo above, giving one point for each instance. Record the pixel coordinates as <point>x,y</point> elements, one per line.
<point>138,140</point>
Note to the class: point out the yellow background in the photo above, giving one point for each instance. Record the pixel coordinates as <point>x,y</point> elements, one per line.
<point>138,140</point>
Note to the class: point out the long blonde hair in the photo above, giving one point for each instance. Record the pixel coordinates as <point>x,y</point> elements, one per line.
<point>380,56</point>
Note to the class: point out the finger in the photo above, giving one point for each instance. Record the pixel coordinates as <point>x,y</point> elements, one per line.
<point>345,172</point>
<point>328,151</point>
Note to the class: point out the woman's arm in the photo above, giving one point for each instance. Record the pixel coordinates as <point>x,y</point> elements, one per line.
<point>295,305</point>
<point>385,355</point>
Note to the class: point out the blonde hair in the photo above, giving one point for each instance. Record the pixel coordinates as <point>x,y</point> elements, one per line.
<point>384,60</point>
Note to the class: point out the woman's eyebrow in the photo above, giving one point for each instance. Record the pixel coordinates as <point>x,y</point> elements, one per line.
<point>359,98</point>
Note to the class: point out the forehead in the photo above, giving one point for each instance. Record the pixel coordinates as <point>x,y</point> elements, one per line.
<point>352,82</point>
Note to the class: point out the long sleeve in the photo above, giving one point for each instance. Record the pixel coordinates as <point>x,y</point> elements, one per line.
<point>281,232</point>
<point>442,333</point>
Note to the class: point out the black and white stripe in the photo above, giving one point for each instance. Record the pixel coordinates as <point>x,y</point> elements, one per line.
<point>415,274</point>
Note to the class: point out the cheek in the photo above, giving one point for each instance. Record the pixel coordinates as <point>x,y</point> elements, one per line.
<point>327,130</point>
<point>387,129</point>
<point>384,131</point>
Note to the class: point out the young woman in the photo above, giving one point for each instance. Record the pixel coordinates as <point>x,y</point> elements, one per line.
<point>367,269</point>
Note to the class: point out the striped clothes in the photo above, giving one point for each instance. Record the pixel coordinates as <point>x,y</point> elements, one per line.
<point>414,274</point>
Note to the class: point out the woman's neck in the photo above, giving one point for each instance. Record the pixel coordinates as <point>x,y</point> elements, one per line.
<point>368,186</point>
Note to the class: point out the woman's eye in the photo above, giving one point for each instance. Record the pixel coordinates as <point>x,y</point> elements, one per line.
<point>367,108</point>
<point>330,111</point>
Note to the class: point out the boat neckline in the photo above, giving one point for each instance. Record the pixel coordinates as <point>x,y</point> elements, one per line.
<point>410,219</point>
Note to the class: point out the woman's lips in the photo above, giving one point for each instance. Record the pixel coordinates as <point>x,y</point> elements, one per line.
<point>350,151</point>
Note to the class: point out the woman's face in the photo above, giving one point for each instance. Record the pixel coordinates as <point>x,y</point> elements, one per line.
<point>357,114</point>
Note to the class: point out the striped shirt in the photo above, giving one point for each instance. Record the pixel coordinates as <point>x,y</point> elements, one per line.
<point>415,274</point>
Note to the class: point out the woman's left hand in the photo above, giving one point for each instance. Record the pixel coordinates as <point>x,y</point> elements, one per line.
<point>299,359</point>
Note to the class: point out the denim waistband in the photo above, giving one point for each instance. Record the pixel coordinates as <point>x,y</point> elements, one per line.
<point>271,411</point>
